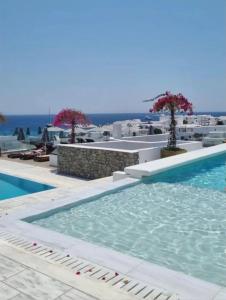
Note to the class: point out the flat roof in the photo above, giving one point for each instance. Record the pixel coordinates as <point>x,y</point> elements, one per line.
<point>122,146</point>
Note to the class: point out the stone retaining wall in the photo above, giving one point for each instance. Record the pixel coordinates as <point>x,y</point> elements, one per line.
<point>92,163</point>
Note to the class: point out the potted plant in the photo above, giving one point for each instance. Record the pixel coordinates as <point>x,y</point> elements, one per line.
<point>171,103</point>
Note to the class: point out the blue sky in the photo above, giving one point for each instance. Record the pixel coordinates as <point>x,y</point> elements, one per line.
<point>108,55</point>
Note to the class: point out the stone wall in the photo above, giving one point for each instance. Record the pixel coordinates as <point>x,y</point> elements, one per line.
<point>92,163</point>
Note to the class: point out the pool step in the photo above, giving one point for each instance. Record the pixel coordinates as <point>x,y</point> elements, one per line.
<point>81,267</point>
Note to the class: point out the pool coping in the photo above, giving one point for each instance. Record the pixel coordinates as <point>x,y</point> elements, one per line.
<point>188,287</point>
<point>50,187</point>
<point>21,199</point>
<point>62,185</point>
<point>160,165</point>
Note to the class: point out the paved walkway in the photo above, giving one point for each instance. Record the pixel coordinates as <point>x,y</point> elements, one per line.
<point>18,282</point>
<point>44,175</point>
<point>24,276</point>
<point>31,162</point>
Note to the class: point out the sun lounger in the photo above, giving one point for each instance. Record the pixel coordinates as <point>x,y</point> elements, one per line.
<point>41,158</point>
<point>32,154</point>
<point>14,155</point>
<point>28,155</point>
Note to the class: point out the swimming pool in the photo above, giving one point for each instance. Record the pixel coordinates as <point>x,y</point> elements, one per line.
<point>176,219</point>
<point>11,186</point>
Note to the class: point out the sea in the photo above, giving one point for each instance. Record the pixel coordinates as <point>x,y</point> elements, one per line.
<point>34,121</point>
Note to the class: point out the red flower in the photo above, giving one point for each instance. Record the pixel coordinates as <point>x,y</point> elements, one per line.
<point>172,102</point>
<point>69,117</point>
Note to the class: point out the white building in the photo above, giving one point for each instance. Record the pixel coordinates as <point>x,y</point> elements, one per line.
<point>214,138</point>
<point>223,119</point>
<point>203,120</point>
<point>191,131</point>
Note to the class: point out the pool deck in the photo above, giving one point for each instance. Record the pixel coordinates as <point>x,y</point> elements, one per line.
<point>24,276</point>
<point>69,190</point>
<point>65,185</point>
<point>31,162</point>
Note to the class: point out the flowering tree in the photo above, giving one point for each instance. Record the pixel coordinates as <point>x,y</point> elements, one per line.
<point>71,118</point>
<point>173,104</point>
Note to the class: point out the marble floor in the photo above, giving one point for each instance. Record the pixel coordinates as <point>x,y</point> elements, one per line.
<point>24,276</point>
<point>19,282</point>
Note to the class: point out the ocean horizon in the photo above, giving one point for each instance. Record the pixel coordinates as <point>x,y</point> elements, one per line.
<point>33,121</point>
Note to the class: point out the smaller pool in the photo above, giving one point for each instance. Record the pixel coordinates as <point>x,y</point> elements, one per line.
<point>11,187</point>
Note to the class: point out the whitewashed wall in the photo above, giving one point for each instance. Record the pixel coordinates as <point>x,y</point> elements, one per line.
<point>191,146</point>
<point>53,160</point>
<point>146,155</point>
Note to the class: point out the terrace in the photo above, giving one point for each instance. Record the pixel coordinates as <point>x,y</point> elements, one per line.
<point>34,250</point>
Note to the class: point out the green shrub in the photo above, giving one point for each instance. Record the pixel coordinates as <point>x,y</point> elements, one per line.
<point>157,131</point>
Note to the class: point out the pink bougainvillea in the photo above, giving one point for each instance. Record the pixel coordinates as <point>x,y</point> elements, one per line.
<point>171,103</point>
<point>70,118</point>
<point>177,103</point>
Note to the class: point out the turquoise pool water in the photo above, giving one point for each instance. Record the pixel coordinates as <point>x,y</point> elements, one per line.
<point>175,219</point>
<point>11,186</point>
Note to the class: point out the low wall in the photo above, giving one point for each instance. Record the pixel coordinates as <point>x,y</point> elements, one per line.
<point>146,155</point>
<point>91,163</point>
<point>149,154</point>
<point>191,146</point>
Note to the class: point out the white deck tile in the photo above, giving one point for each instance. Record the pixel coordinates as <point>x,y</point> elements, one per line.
<point>9,268</point>
<point>22,297</point>
<point>75,295</point>
<point>39,286</point>
<point>7,292</point>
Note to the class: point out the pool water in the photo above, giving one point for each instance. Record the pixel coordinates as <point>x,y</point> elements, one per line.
<point>176,219</point>
<point>207,173</point>
<point>11,186</point>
